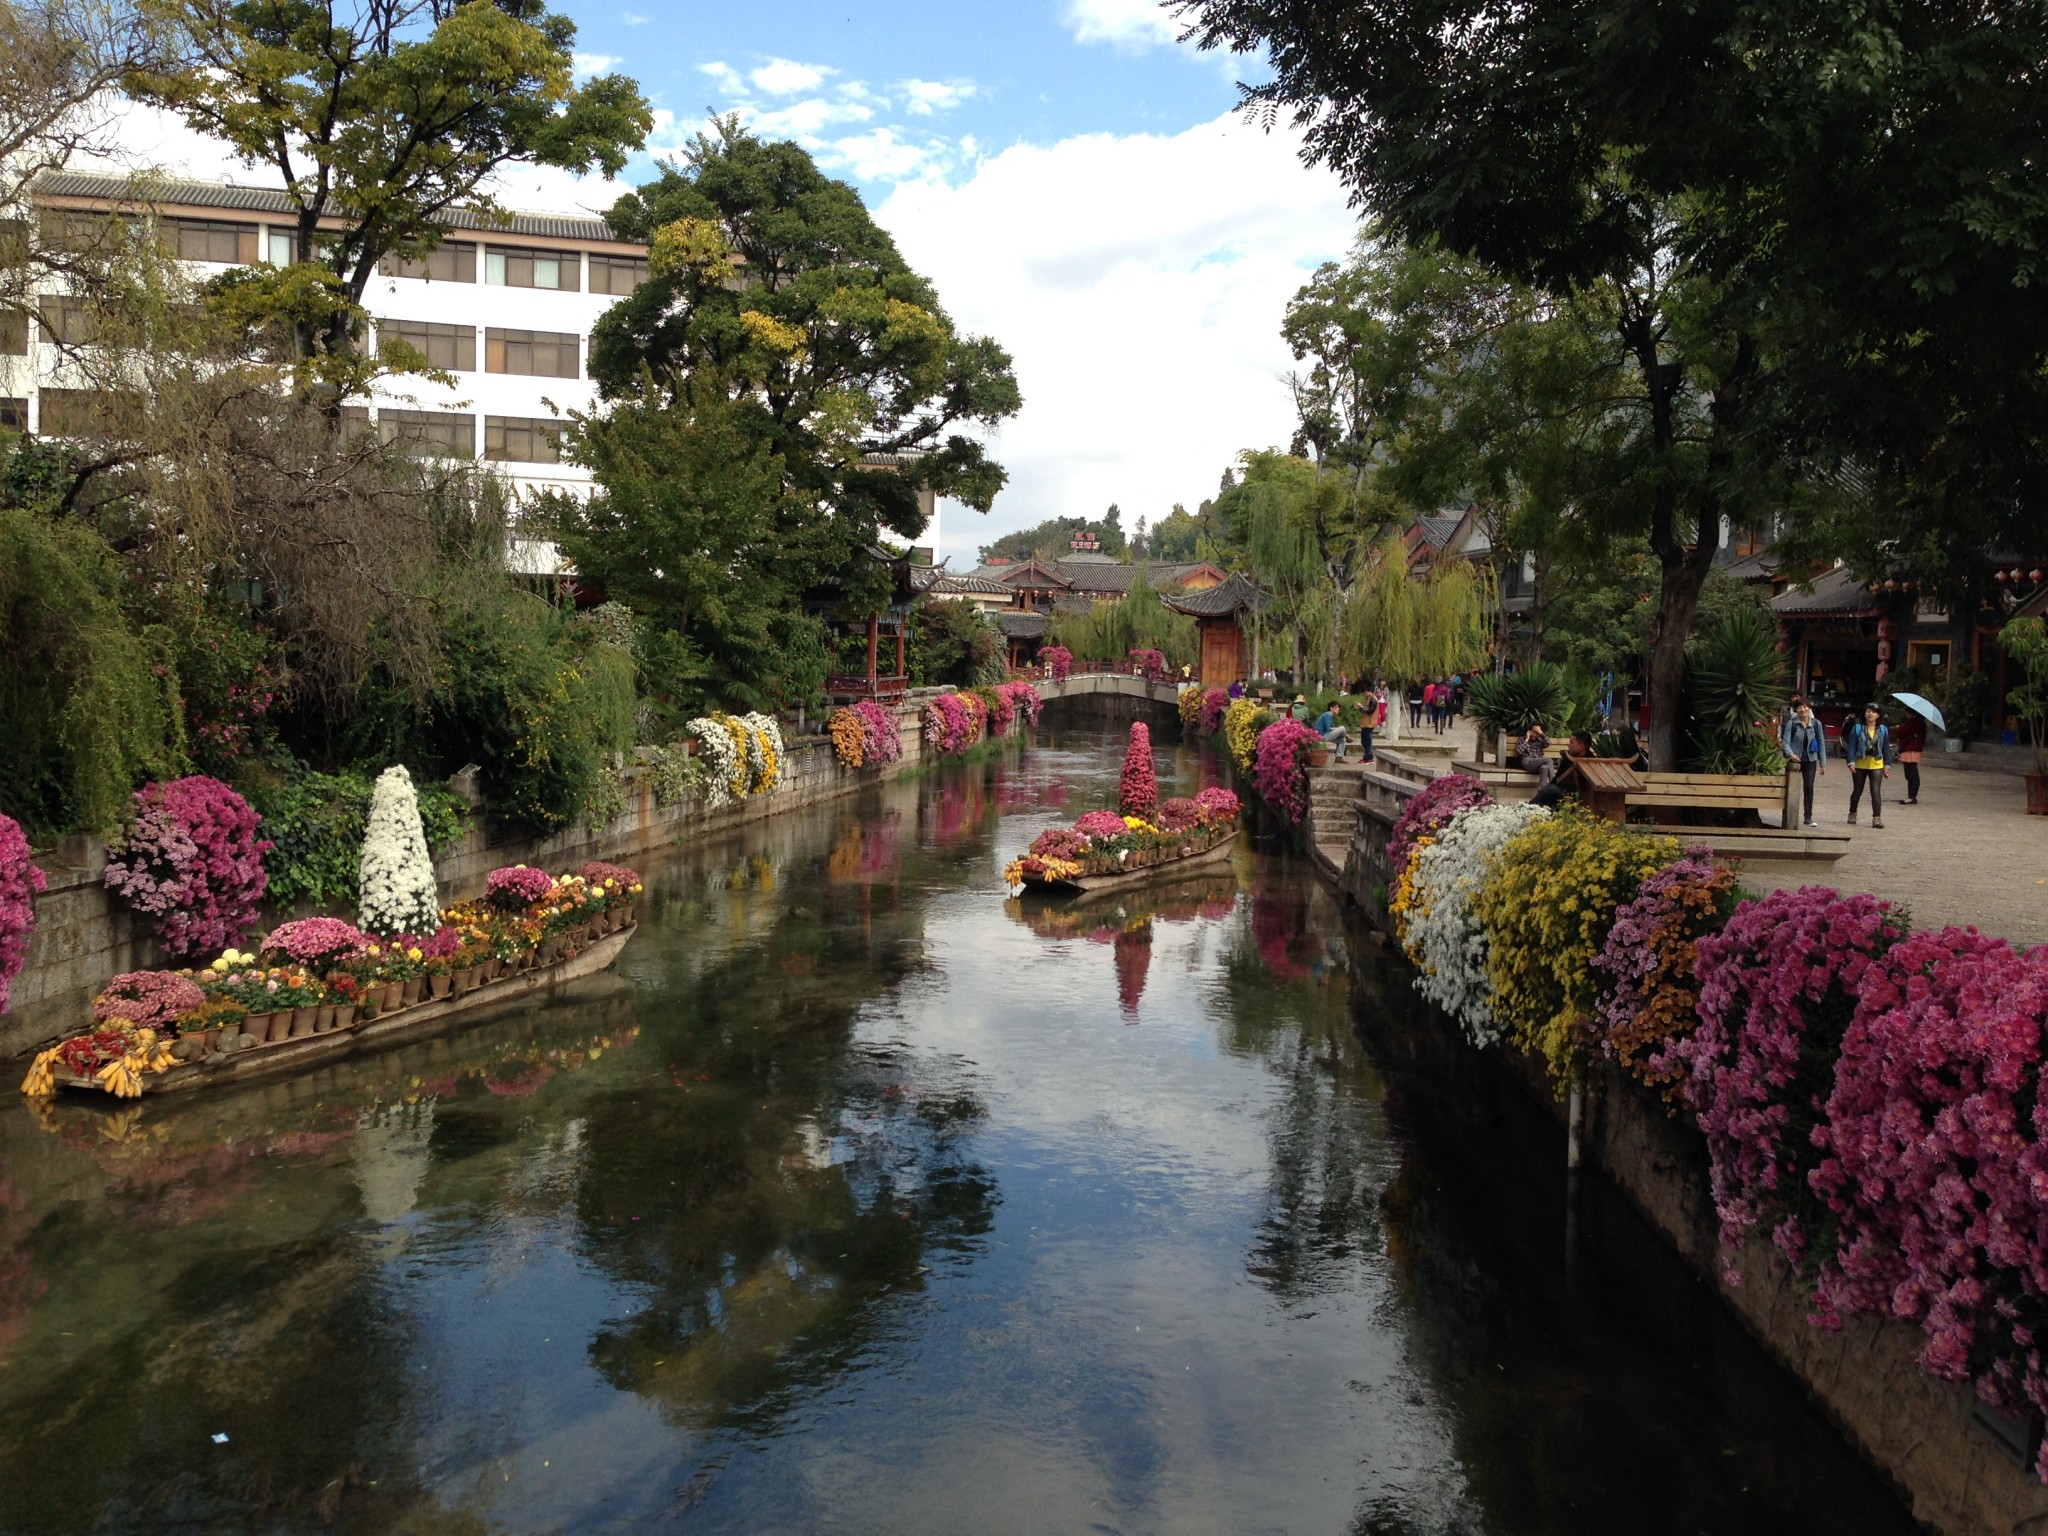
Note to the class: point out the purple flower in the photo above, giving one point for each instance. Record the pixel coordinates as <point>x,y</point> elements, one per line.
<point>193,863</point>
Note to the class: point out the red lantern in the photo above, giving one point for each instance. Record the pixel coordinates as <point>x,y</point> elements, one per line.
<point>1999,577</point>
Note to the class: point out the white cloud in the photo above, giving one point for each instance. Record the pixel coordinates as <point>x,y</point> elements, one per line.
<point>587,64</point>
<point>786,77</point>
<point>882,155</point>
<point>1139,282</point>
<point>1130,24</point>
<point>804,120</point>
<point>633,18</point>
<point>922,98</point>
<point>723,75</point>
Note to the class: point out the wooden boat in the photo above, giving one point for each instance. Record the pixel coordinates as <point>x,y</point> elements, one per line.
<point>282,1057</point>
<point>1160,869</point>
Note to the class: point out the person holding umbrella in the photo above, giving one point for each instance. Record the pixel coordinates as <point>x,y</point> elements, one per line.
<point>1913,738</point>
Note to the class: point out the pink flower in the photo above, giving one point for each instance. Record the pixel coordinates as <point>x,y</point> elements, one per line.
<point>191,862</point>
<point>20,883</point>
<point>1099,826</point>
<point>1138,789</point>
<point>1280,766</point>
<point>1219,804</point>
<point>150,999</point>
<point>315,939</point>
<point>516,886</point>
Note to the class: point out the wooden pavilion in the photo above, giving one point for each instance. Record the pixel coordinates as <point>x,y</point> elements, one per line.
<point>1219,614</point>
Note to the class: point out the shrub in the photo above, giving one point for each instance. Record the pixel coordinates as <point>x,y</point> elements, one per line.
<point>395,881</point>
<point>1430,811</point>
<point>1538,694</point>
<point>1190,706</point>
<point>1061,843</point>
<point>1024,700</point>
<point>1929,1146</point>
<point>1242,723</point>
<point>191,864</point>
<point>1059,660</point>
<point>1218,804</point>
<point>147,999</point>
<point>881,737</point>
<point>1179,814</point>
<point>516,887</point>
<point>763,741</point>
<point>1280,767</point>
<point>1138,788</point>
<point>1778,985</point>
<point>316,941</point>
<point>849,741</point>
<point>1441,933</point>
<point>1649,963</point>
<point>1547,911</point>
<point>1101,826</point>
<point>20,883</point>
<point>722,742</point>
<point>315,823</point>
<point>1214,703</point>
<point>1147,662</point>
<point>952,723</point>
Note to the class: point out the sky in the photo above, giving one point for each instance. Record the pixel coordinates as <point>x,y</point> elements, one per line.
<point>1070,176</point>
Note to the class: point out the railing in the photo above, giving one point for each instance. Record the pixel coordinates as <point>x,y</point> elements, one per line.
<point>864,687</point>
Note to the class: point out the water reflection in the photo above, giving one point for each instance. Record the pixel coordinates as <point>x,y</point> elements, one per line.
<point>850,1203</point>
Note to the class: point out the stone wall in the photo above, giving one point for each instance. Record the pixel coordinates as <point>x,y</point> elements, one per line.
<point>1958,1473</point>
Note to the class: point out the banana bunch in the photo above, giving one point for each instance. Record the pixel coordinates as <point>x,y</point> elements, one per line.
<point>123,1078</point>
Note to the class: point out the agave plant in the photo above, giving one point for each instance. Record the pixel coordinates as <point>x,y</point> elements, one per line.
<point>1736,680</point>
<point>1514,701</point>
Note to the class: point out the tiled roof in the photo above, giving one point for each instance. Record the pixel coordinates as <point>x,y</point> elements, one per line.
<point>208,194</point>
<point>1231,596</point>
<point>1437,531</point>
<point>1839,592</point>
<point>1019,625</point>
<point>1761,566</point>
<point>949,585</point>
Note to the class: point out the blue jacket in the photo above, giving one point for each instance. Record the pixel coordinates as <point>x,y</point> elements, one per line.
<point>1855,743</point>
<point>1802,740</point>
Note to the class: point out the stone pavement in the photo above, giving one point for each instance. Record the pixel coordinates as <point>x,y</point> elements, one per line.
<point>1967,853</point>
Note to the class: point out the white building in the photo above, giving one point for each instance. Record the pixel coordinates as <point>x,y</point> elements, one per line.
<point>506,310</point>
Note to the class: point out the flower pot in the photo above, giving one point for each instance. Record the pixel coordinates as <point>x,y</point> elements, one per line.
<point>210,1039</point>
<point>345,1015</point>
<point>411,992</point>
<point>440,984</point>
<point>1319,757</point>
<point>328,1012</point>
<point>257,1025</point>
<point>2037,794</point>
<point>393,996</point>
<point>304,1022</point>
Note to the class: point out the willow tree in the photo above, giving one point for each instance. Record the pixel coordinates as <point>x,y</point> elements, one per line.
<point>1408,627</point>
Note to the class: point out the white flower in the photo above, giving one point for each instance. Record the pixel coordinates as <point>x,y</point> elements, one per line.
<point>714,743</point>
<point>398,894</point>
<point>1443,938</point>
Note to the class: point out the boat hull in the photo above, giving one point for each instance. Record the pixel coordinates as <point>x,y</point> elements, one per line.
<point>288,1056</point>
<point>1215,853</point>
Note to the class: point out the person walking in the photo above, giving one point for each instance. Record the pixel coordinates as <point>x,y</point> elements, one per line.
<point>1912,741</point>
<point>1806,744</point>
<point>1415,706</point>
<point>1867,744</point>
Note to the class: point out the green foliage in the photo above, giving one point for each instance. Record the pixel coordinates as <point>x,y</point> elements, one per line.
<point>1136,621</point>
<point>388,118</point>
<point>1538,694</point>
<point>1737,691</point>
<point>316,821</point>
<point>89,703</point>
<point>2026,645</point>
<point>1053,539</point>
<point>815,347</point>
<point>949,646</point>
<point>1405,628</point>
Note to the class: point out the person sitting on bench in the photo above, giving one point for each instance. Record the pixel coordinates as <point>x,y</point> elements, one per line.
<point>1552,789</point>
<point>1334,734</point>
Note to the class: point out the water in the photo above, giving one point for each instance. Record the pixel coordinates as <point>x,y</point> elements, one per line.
<point>860,1200</point>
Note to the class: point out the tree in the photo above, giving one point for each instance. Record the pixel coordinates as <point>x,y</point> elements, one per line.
<point>1765,200</point>
<point>1053,540</point>
<point>1178,536</point>
<point>1412,629</point>
<point>772,290</point>
<point>1277,514</point>
<point>390,116</point>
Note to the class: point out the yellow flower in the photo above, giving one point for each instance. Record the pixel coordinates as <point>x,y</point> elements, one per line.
<point>413,953</point>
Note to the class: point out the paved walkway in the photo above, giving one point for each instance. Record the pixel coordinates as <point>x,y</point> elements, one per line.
<point>1967,853</point>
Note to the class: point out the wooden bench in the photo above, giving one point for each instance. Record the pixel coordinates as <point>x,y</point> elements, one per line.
<point>1668,792</point>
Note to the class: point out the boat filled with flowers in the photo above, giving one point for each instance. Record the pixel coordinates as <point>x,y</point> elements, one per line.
<point>321,987</point>
<point>1144,839</point>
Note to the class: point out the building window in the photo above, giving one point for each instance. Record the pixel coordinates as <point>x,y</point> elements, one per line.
<point>75,229</point>
<point>69,321</point>
<point>541,354</point>
<point>512,267</point>
<point>442,434</point>
<point>617,274</point>
<point>210,240</point>
<point>13,414</point>
<point>283,247</point>
<point>452,261</point>
<point>448,347</point>
<point>522,440</point>
<point>79,412</point>
<point>13,333</point>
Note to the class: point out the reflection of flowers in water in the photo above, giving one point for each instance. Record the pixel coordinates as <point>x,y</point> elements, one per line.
<point>954,810</point>
<point>1276,919</point>
<point>1133,959</point>
<point>866,851</point>
<point>20,1286</point>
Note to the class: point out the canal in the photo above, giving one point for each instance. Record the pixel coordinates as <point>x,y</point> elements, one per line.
<point>860,1200</point>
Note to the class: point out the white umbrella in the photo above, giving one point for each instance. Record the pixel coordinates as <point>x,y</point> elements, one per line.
<point>1920,706</point>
